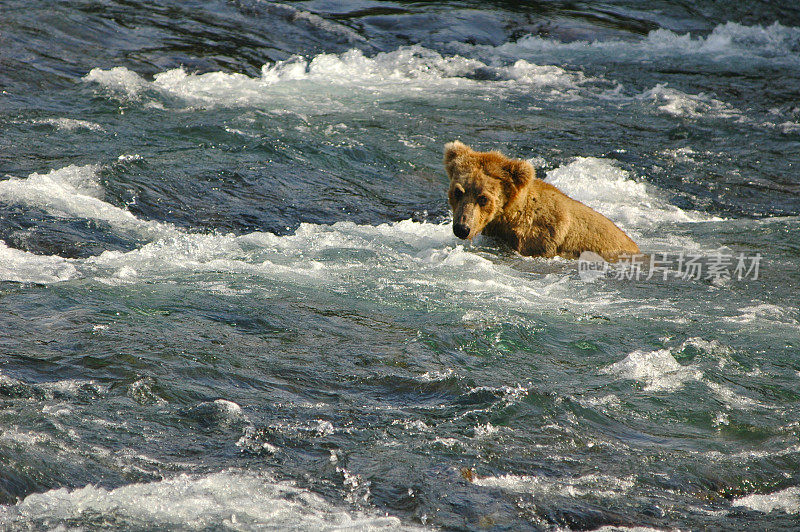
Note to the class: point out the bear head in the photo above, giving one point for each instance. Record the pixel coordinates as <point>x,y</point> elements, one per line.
<point>483,186</point>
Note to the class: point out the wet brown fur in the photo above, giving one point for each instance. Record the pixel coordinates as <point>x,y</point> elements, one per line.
<point>501,197</point>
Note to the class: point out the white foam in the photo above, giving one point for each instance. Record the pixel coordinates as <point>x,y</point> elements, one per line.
<point>774,43</point>
<point>765,313</point>
<point>730,45</point>
<point>397,263</point>
<point>681,104</point>
<point>406,263</point>
<point>24,438</point>
<point>721,419</point>
<point>75,192</point>
<point>58,410</point>
<point>415,425</point>
<point>508,394</point>
<point>119,79</point>
<point>485,431</point>
<point>658,370</point>
<point>407,69</point>
<point>180,253</point>
<point>682,155</point>
<point>787,500</point>
<point>227,408</point>
<point>69,124</point>
<point>229,499</point>
<point>603,186</point>
<point>731,398</point>
<point>49,390</point>
<point>25,267</point>
<point>544,75</point>
<point>324,428</point>
<point>72,192</point>
<point>610,400</point>
<point>251,442</point>
<point>74,386</point>
<point>408,63</point>
<point>437,376</point>
<point>403,263</point>
<point>73,179</point>
<point>595,485</point>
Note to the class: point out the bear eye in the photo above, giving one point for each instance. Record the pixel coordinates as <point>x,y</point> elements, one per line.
<point>482,200</point>
<point>457,193</point>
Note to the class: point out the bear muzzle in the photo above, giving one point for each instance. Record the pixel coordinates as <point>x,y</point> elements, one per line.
<point>460,230</point>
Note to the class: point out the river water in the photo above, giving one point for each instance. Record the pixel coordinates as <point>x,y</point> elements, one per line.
<point>232,299</point>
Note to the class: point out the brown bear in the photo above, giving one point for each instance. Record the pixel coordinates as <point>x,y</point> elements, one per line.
<point>501,197</point>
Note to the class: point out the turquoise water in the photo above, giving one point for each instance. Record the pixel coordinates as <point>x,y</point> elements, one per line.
<point>232,299</point>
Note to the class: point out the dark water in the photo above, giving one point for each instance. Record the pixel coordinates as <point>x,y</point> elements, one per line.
<point>231,298</point>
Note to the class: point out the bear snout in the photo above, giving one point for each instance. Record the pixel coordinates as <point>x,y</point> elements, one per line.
<point>460,230</point>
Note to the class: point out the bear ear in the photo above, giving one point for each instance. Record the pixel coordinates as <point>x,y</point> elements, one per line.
<point>520,172</point>
<point>454,149</point>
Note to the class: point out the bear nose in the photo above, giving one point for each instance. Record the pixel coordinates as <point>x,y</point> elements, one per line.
<point>460,230</point>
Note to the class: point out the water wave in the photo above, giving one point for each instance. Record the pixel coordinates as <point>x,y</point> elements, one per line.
<point>25,267</point>
<point>787,500</point>
<point>421,257</point>
<point>660,371</point>
<point>405,70</point>
<point>680,104</point>
<point>594,486</point>
<point>76,192</point>
<point>611,190</point>
<point>228,499</point>
<point>69,124</point>
<point>776,44</point>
